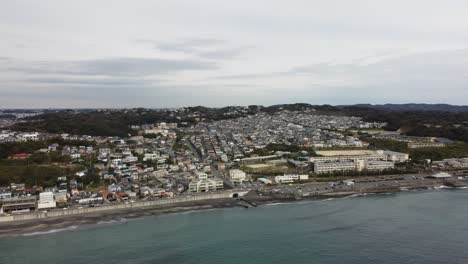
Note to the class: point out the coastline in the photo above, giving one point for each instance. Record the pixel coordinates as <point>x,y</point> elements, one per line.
<point>57,224</point>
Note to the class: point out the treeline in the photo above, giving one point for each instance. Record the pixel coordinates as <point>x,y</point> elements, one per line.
<point>452,125</point>
<point>96,123</point>
<point>456,150</point>
<point>418,123</point>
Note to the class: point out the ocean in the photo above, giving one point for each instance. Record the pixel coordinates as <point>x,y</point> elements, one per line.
<point>408,227</point>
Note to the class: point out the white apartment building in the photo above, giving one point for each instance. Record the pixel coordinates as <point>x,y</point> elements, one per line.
<point>237,175</point>
<point>344,158</point>
<point>396,157</point>
<point>357,165</point>
<point>426,145</point>
<point>203,184</point>
<point>30,137</point>
<point>376,155</point>
<point>290,178</point>
<point>378,165</point>
<point>46,200</point>
<point>151,156</point>
<point>325,167</point>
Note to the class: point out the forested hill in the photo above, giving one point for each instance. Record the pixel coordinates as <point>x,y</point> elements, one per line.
<point>421,122</point>
<point>417,107</point>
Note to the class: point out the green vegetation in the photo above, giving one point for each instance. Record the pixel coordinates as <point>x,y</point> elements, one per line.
<point>22,171</point>
<point>418,123</point>
<point>456,150</point>
<point>39,168</point>
<point>96,123</point>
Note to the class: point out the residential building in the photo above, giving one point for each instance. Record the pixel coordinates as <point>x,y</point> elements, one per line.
<point>290,178</point>
<point>237,176</point>
<point>46,200</point>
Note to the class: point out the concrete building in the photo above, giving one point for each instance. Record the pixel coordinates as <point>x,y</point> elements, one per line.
<point>290,178</point>
<point>203,184</point>
<point>378,165</point>
<point>237,176</point>
<point>19,204</point>
<point>5,195</point>
<point>356,165</point>
<point>397,157</point>
<point>326,167</point>
<point>426,145</point>
<point>46,200</point>
<point>353,155</point>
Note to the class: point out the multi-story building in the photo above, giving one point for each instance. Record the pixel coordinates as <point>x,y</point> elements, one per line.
<point>379,165</point>
<point>290,178</point>
<point>426,145</point>
<point>19,204</point>
<point>352,155</point>
<point>46,200</point>
<point>325,167</point>
<point>204,184</point>
<point>237,176</point>
<point>356,165</point>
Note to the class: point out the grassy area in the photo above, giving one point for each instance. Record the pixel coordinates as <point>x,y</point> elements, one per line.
<point>34,174</point>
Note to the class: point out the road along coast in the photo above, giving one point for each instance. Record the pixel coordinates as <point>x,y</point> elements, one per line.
<point>38,222</point>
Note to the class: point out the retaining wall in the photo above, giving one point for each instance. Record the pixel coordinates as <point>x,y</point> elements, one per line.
<point>88,210</point>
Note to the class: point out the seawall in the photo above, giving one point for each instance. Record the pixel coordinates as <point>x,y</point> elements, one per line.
<point>128,206</point>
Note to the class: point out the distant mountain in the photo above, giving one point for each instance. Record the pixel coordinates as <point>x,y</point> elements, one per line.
<point>416,107</point>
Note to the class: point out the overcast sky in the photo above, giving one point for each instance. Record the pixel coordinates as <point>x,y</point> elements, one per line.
<point>88,53</point>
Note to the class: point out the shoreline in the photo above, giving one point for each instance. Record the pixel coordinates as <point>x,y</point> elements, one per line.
<point>72,222</point>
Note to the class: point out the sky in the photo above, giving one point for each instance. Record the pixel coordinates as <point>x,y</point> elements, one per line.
<point>173,53</point>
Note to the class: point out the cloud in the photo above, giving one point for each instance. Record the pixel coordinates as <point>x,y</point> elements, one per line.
<point>112,67</point>
<point>207,48</point>
<point>188,45</point>
<point>67,80</point>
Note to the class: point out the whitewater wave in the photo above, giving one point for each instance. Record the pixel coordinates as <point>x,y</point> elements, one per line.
<point>273,204</point>
<point>442,187</point>
<point>51,231</point>
<point>114,221</point>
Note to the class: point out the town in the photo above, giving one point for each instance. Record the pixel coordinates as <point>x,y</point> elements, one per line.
<point>166,160</point>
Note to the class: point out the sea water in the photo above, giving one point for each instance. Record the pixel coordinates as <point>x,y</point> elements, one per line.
<point>409,227</point>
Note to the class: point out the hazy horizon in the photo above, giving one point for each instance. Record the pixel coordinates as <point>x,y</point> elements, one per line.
<point>165,54</point>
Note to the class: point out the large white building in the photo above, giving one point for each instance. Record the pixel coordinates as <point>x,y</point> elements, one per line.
<point>204,184</point>
<point>353,155</point>
<point>46,200</point>
<point>325,167</point>
<point>396,157</point>
<point>237,176</point>
<point>357,165</point>
<point>290,178</point>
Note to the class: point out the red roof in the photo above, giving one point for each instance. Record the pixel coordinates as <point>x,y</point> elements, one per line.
<point>21,155</point>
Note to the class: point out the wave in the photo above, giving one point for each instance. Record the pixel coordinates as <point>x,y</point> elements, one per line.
<point>113,221</point>
<point>51,231</point>
<point>442,187</point>
<point>273,204</point>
